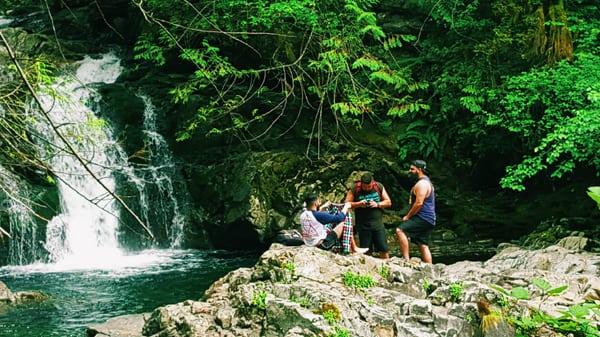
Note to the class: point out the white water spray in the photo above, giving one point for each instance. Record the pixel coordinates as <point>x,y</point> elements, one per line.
<point>5,22</point>
<point>85,231</point>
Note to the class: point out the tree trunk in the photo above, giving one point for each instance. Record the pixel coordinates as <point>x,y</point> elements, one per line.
<point>560,44</point>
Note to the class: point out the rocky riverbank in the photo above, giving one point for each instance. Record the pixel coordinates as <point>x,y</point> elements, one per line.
<point>303,291</point>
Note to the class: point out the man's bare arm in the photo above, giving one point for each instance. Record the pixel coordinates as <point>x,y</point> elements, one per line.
<point>421,191</point>
<point>386,202</point>
<point>350,199</point>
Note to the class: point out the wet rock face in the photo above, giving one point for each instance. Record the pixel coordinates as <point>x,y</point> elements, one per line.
<point>8,297</point>
<point>243,200</point>
<point>303,291</point>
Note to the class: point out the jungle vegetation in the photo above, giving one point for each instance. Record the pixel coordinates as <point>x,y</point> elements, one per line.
<point>513,80</point>
<point>468,80</point>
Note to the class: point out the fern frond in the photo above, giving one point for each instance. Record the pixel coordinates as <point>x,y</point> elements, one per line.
<point>369,62</point>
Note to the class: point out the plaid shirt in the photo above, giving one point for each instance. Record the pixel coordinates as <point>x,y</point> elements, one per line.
<point>343,245</point>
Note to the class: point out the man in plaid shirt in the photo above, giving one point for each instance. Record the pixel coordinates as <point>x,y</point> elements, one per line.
<point>317,226</point>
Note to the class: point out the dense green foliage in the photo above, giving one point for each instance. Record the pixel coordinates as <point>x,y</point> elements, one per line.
<point>504,92</point>
<point>517,81</point>
<point>290,56</point>
<point>357,281</point>
<point>506,85</point>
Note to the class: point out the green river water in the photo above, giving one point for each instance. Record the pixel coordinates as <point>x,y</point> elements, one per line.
<point>136,284</point>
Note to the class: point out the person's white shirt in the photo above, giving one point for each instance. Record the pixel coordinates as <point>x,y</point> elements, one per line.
<point>313,232</point>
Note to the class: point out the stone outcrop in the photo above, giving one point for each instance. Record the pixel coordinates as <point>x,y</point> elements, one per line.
<point>303,291</point>
<point>9,297</point>
<point>122,326</point>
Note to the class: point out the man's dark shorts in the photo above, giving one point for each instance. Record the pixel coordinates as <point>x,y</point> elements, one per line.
<point>329,242</point>
<point>373,239</point>
<point>417,230</point>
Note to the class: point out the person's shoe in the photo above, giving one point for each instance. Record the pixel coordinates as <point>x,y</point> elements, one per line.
<point>358,250</point>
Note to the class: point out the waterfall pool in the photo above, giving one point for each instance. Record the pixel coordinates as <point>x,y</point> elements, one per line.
<point>92,293</point>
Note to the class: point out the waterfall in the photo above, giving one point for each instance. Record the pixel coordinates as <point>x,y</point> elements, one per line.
<point>86,228</point>
<point>84,234</point>
<point>23,247</point>
<point>163,201</point>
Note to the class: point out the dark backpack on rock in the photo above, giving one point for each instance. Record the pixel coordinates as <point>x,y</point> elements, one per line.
<point>289,237</point>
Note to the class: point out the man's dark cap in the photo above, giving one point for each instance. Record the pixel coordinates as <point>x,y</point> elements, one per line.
<point>366,178</point>
<point>420,164</point>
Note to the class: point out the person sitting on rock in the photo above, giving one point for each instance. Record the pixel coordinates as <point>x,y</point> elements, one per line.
<point>314,231</point>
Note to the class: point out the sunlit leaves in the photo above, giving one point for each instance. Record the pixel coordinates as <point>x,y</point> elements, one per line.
<point>145,49</point>
<point>557,111</point>
<point>594,193</point>
<point>369,63</point>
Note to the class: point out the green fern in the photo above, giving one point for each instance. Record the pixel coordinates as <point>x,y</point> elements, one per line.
<point>369,63</point>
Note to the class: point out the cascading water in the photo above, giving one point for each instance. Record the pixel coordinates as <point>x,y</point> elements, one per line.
<point>5,22</point>
<point>23,245</point>
<point>85,231</point>
<point>157,185</point>
<point>86,228</point>
<point>90,279</point>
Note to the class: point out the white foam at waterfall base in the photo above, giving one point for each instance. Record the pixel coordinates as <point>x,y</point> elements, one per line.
<point>83,234</point>
<point>119,264</point>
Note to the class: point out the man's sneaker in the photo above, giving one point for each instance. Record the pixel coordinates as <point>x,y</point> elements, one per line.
<point>358,250</point>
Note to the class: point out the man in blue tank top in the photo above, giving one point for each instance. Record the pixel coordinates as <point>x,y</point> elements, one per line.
<point>420,219</point>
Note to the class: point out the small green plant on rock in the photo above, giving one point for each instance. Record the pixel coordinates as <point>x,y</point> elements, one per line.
<point>357,281</point>
<point>370,300</point>
<point>427,286</point>
<point>384,271</point>
<point>290,266</point>
<point>331,313</point>
<point>456,291</point>
<point>547,290</point>
<point>259,299</point>
<point>502,301</point>
<point>304,301</point>
<point>490,319</point>
<point>339,332</point>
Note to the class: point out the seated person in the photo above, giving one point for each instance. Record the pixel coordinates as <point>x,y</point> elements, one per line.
<point>314,232</point>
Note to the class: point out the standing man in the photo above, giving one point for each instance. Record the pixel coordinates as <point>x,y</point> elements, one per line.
<point>420,219</point>
<point>368,198</point>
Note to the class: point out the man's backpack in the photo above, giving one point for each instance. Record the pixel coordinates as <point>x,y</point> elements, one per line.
<point>378,187</point>
<point>289,237</point>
